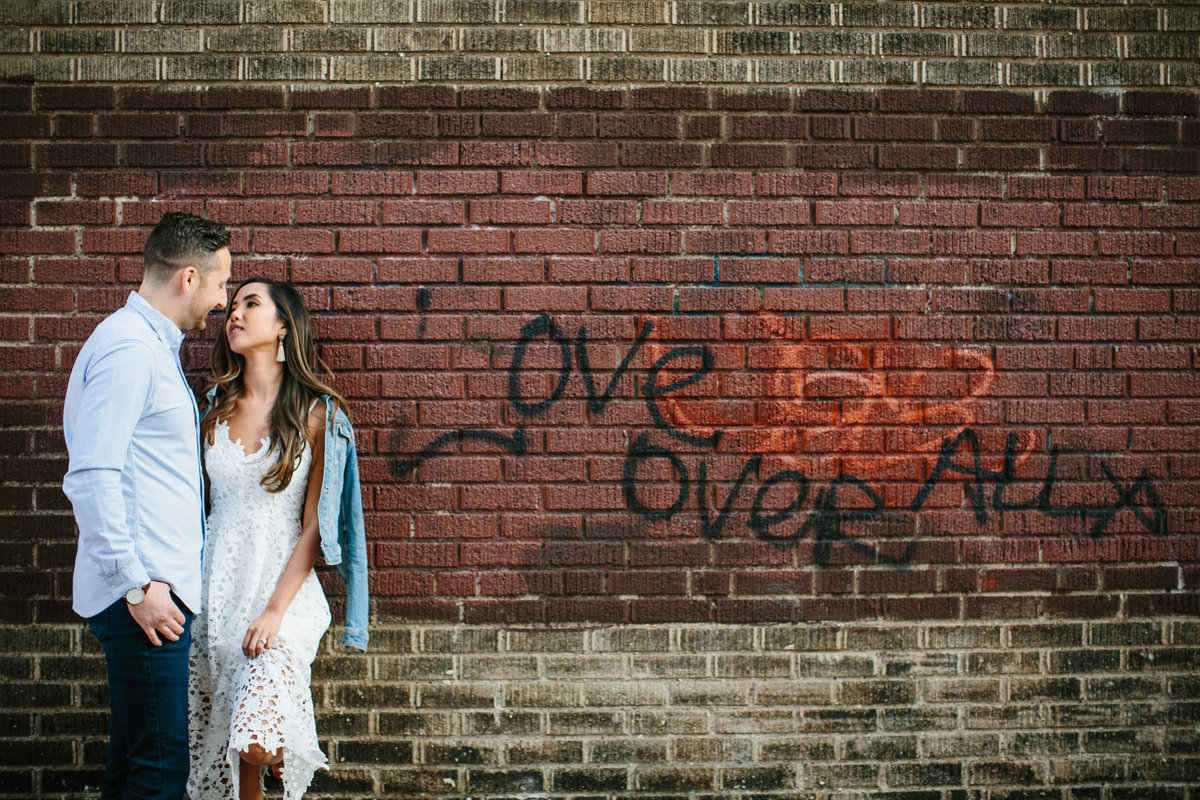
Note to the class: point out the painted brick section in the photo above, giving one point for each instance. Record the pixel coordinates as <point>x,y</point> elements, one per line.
<point>139,47</point>
<point>909,375</point>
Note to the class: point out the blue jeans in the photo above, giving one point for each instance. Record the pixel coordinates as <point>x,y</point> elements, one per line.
<point>147,688</point>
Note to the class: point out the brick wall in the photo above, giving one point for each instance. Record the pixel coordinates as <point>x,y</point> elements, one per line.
<point>879,42</point>
<point>895,711</point>
<point>795,440</point>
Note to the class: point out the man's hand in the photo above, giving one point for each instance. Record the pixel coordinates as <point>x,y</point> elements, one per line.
<point>158,614</point>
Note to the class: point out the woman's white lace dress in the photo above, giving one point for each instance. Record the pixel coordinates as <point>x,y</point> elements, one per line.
<point>235,700</point>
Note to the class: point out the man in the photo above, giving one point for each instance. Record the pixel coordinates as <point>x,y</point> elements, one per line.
<point>135,483</point>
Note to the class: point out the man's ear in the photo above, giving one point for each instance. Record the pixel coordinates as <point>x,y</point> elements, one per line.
<point>187,279</point>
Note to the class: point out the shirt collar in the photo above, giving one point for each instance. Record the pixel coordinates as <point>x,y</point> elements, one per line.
<point>166,330</point>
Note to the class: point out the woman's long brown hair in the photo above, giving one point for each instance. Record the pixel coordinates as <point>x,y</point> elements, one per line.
<point>301,384</point>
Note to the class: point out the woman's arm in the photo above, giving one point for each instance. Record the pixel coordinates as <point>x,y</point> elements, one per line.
<point>307,549</point>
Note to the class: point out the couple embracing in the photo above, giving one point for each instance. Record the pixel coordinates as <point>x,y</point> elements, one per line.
<point>208,705</point>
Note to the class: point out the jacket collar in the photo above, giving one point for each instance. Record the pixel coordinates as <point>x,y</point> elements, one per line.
<point>211,397</point>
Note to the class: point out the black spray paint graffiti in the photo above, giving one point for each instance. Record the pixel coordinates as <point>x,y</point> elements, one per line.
<point>847,498</point>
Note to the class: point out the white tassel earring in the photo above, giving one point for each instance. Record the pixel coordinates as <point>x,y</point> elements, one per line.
<point>280,355</point>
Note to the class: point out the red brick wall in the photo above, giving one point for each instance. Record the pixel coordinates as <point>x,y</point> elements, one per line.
<point>850,354</point>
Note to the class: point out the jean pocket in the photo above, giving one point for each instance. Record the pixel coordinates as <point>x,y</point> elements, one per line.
<point>98,624</point>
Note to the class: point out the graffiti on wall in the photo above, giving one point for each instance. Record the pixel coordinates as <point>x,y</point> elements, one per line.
<point>817,513</point>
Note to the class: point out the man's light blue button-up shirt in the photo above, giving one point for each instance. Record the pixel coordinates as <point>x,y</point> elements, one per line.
<point>134,480</point>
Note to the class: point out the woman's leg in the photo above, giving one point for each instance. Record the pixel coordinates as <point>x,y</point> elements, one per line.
<point>253,757</point>
<point>249,785</point>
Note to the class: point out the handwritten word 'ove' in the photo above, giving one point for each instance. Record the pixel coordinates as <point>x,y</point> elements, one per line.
<point>846,498</point>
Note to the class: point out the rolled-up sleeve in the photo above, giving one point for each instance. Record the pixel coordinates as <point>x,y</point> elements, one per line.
<point>115,391</point>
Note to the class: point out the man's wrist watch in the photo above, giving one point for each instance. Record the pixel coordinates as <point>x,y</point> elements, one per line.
<point>136,595</point>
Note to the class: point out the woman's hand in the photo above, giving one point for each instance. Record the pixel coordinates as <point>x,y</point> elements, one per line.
<point>260,635</point>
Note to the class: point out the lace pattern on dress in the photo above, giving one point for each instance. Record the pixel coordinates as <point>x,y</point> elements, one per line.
<point>269,694</point>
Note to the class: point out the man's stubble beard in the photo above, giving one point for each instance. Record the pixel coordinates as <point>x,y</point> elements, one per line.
<point>199,316</point>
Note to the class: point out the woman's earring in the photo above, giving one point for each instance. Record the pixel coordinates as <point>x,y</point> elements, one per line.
<point>280,355</point>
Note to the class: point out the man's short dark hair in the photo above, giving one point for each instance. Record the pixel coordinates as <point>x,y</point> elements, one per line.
<point>180,239</point>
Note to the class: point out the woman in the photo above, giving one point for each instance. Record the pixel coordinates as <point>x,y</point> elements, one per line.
<point>274,434</point>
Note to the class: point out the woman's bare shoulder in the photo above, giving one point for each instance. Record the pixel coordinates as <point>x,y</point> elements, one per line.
<point>316,416</point>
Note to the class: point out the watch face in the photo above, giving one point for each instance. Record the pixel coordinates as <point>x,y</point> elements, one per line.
<point>135,595</point>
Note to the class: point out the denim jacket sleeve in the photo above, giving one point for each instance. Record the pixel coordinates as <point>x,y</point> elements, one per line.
<point>340,514</point>
<point>340,517</point>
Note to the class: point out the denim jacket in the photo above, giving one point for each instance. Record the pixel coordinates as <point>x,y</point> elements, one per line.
<point>340,516</point>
